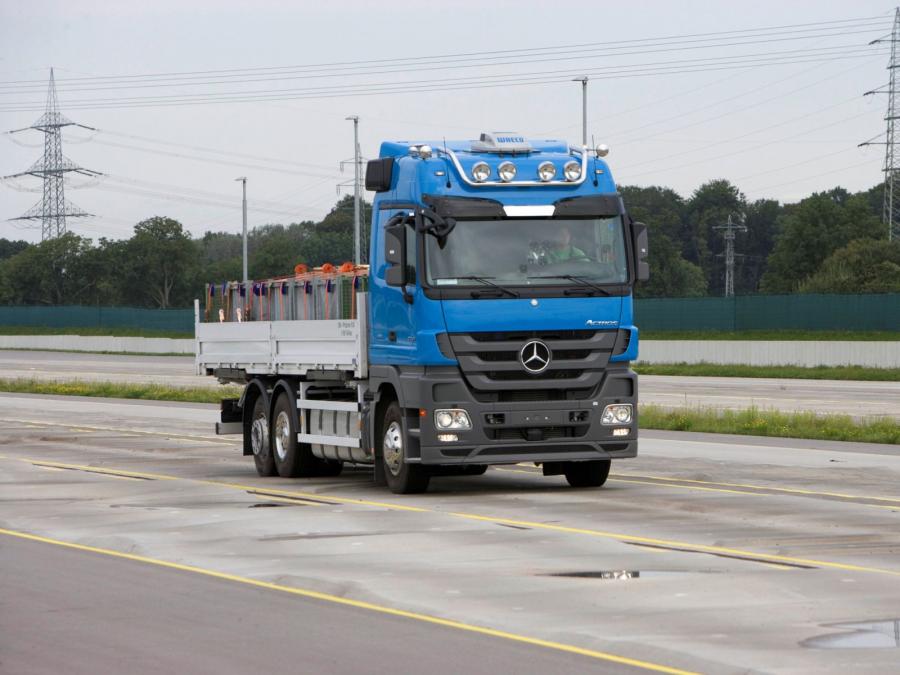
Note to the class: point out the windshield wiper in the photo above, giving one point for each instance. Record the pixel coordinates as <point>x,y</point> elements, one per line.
<point>487,282</point>
<point>577,280</point>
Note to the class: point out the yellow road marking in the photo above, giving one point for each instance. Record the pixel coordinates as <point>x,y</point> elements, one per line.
<point>83,427</point>
<point>701,548</point>
<point>894,500</point>
<point>233,486</point>
<point>118,473</point>
<point>702,485</point>
<point>286,500</point>
<point>359,604</point>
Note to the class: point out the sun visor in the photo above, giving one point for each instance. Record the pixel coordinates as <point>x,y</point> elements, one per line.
<point>465,207</point>
<point>593,205</point>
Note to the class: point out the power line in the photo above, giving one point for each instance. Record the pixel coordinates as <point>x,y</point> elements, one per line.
<point>472,82</point>
<point>604,53</point>
<point>842,27</point>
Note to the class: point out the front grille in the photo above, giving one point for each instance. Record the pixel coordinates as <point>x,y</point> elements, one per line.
<point>490,361</point>
<point>547,433</point>
<point>511,375</point>
<point>528,335</point>
<point>531,395</point>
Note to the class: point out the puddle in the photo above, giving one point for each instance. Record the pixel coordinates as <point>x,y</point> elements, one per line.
<point>863,635</point>
<point>622,575</point>
<point>263,505</point>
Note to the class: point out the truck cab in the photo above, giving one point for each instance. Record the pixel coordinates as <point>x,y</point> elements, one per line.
<point>500,310</point>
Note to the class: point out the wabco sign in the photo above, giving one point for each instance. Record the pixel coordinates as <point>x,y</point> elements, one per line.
<point>510,139</point>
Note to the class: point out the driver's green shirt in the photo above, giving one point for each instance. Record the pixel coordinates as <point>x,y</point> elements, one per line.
<point>564,254</point>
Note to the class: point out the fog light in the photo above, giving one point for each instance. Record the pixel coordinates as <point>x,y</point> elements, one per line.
<point>506,171</point>
<point>617,413</point>
<point>447,438</point>
<point>452,419</point>
<point>620,432</point>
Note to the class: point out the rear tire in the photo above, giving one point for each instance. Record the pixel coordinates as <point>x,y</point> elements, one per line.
<point>587,474</point>
<point>402,477</point>
<point>292,459</point>
<point>259,438</point>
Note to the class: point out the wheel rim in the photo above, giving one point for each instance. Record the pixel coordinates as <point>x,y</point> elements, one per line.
<point>393,448</point>
<point>282,435</point>
<point>259,436</point>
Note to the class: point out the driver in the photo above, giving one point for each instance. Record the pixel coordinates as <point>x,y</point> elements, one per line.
<point>561,248</point>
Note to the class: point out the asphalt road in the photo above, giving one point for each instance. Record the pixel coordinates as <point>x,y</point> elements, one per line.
<point>705,554</point>
<point>860,399</point>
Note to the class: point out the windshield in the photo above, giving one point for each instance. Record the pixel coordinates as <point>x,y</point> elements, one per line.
<point>524,252</point>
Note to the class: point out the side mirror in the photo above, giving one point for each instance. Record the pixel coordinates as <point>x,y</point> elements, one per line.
<point>379,173</point>
<point>640,248</point>
<point>395,254</point>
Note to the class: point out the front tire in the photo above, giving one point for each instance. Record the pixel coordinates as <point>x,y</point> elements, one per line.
<point>587,474</point>
<point>402,477</point>
<point>259,439</point>
<point>292,459</point>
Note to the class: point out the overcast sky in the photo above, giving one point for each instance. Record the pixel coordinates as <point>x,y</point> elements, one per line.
<point>666,94</point>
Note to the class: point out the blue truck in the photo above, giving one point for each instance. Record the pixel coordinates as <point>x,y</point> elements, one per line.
<point>493,325</point>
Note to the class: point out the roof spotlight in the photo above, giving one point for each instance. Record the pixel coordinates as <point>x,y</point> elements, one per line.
<point>481,172</point>
<point>546,171</point>
<point>506,171</point>
<point>572,170</point>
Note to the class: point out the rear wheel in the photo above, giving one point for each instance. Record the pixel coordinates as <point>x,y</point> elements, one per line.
<point>587,474</point>
<point>259,439</point>
<point>292,459</point>
<point>402,477</point>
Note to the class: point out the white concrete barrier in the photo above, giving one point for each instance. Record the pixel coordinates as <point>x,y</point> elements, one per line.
<point>747,352</point>
<point>98,343</point>
<point>773,353</point>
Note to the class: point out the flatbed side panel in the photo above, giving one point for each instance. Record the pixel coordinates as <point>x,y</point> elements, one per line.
<point>301,346</point>
<point>282,347</point>
<point>247,346</point>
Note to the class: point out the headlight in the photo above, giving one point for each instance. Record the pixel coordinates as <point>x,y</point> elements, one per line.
<point>452,419</point>
<point>618,413</point>
<point>546,171</point>
<point>506,171</point>
<point>481,172</point>
<point>572,170</point>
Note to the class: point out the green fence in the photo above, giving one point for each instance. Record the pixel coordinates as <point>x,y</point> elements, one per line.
<point>181,320</point>
<point>771,312</point>
<point>749,312</point>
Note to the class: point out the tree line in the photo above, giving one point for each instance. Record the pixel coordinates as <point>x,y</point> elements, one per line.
<point>829,242</point>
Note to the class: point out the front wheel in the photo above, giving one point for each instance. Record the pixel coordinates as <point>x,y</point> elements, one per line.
<point>587,474</point>
<point>402,477</point>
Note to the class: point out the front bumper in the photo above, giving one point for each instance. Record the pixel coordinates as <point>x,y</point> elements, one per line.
<point>507,432</point>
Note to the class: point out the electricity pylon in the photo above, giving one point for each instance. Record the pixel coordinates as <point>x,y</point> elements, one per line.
<point>53,209</point>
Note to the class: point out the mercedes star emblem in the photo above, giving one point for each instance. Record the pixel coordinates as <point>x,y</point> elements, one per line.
<point>535,357</point>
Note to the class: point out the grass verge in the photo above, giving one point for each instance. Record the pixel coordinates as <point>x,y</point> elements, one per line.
<point>107,331</point>
<point>814,335</point>
<point>756,422</point>
<point>787,372</point>
<point>752,421</point>
<point>150,392</point>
